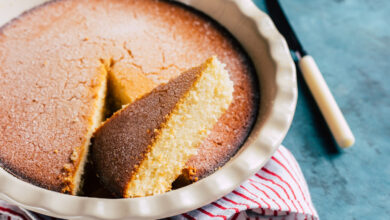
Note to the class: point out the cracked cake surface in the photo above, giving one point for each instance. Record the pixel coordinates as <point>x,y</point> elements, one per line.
<point>54,72</point>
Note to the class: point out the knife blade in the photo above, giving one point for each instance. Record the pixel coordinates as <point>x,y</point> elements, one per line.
<point>313,78</point>
<point>284,27</point>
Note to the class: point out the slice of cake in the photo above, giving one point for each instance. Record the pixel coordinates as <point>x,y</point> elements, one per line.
<point>143,148</point>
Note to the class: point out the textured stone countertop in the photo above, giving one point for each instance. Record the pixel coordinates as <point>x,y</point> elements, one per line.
<point>350,40</point>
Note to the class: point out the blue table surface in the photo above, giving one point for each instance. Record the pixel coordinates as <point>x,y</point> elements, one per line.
<point>350,40</point>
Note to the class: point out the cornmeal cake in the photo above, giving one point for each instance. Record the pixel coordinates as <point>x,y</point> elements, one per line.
<point>143,148</point>
<point>58,59</point>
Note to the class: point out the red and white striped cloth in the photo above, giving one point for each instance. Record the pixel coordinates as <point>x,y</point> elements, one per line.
<point>278,191</point>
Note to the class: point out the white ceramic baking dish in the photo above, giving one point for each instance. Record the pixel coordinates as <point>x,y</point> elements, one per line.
<point>276,73</point>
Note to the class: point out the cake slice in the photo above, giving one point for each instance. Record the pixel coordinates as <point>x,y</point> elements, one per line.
<point>143,148</point>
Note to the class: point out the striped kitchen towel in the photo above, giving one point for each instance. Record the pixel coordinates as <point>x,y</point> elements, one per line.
<point>278,191</point>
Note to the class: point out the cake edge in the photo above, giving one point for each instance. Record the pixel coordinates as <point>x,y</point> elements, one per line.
<point>95,121</point>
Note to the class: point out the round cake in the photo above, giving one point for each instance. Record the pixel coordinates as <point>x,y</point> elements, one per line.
<point>55,60</point>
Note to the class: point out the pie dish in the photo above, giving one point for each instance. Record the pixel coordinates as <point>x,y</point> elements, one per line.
<point>276,74</point>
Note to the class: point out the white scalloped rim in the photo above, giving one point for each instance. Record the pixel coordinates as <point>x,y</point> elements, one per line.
<point>253,155</point>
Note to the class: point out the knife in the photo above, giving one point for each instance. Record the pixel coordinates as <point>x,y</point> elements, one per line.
<point>313,78</point>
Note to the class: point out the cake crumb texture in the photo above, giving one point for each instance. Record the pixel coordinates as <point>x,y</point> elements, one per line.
<point>126,84</point>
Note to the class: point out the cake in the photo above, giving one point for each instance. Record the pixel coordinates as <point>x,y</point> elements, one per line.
<point>54,73</point>
<point>144,147</point>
